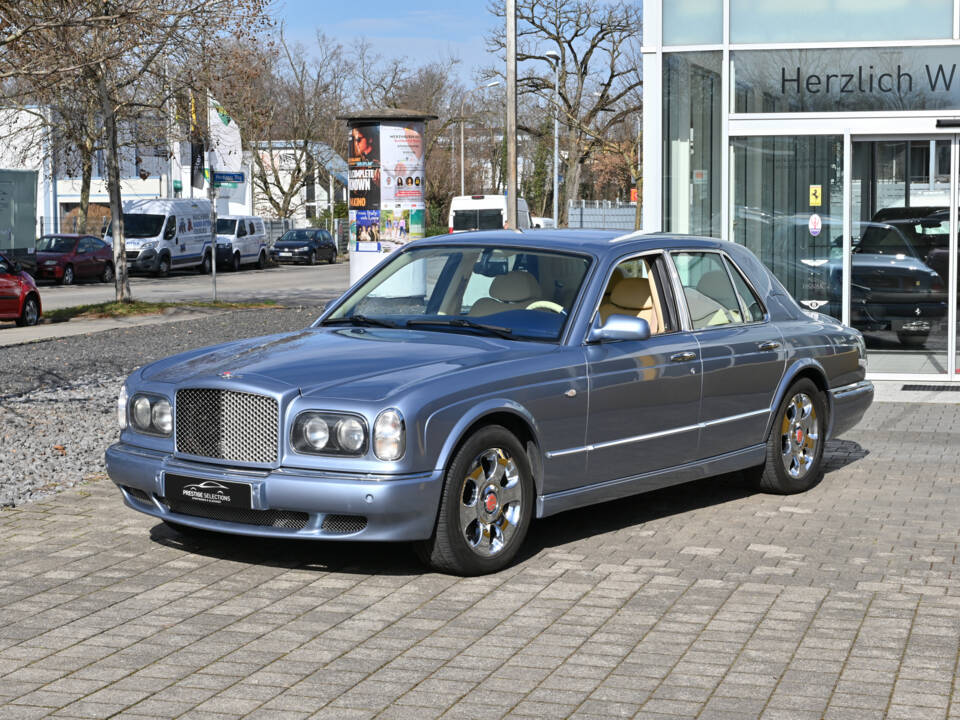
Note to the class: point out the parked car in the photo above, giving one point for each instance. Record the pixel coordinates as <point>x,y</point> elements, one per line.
<point>69,258</point>
<point>484,212</point>
<point>162,235</point>
<point>305,245</point>
<point>415,409</point>
<point>19,296</point>
<point>241,239</point>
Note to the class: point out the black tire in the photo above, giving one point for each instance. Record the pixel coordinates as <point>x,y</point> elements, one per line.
<point>802,409</point>
<point>68,276</point>
<point>333,257</point>
<point>261,260</point>
<point>312,258</point>
<point>163,266</point>
<point>502,493</point>
<point>912,340</point>
<point>107,275</point>
<point>30,315</point>
<point>235,263</point>
<point>206,265</point>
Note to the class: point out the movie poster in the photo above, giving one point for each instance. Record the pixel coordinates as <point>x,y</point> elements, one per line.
<point>364,146</point>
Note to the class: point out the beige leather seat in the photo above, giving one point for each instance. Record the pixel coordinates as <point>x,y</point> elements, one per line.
<point>615,278</point>
<point>633,296</point>
<point>511,291</point>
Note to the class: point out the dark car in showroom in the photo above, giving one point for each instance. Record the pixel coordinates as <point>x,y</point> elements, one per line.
<point>67,259</point>
<point>473,383</point>
<point>305,245</point>
<point>19,296</point>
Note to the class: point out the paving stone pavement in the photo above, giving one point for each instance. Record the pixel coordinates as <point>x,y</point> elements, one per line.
<point>703,600</point>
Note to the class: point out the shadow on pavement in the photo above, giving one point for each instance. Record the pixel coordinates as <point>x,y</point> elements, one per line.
<point>398,558</point>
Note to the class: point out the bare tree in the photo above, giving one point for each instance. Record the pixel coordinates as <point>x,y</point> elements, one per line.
<point>600,75</point>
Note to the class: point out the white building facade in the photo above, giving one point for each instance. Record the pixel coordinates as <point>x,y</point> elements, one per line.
<point>826,138</point>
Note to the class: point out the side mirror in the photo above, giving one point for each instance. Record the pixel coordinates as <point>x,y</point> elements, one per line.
<point>618,327</point>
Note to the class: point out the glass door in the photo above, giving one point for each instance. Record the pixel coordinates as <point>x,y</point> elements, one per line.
<point>901,253</point>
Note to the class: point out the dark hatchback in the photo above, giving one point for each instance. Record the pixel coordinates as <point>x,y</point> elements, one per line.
<point>306,245</point>
<point>68,258</point>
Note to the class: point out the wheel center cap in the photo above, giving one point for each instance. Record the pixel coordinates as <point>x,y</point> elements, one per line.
<point>490,501</point>
<point>799,436</point>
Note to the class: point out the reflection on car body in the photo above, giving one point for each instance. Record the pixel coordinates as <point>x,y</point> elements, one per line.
<point>470,384</point>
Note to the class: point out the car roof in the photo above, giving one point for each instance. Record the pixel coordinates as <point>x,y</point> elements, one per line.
<point>68,236</point>
<point>597,242</point>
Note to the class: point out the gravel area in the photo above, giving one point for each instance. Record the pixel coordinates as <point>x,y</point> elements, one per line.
<point>58,397</point>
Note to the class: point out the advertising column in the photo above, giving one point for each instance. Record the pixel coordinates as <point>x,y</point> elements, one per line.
<point>386,185</point>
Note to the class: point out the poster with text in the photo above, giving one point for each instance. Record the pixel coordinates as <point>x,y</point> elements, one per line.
<point>364,146</point>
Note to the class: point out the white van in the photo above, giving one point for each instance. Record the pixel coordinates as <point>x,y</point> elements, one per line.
<point>241,239</point>
<point>484,212</point>
<point>160,235</point>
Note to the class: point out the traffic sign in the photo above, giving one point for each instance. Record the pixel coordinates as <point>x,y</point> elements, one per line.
<point>222,178</point>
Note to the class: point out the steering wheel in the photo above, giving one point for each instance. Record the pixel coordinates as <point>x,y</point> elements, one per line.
<point>545,305</point>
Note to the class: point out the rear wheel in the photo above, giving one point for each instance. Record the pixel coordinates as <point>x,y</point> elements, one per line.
<point>30,315</point>
<point>68,276</point>
<point>107,274</point>
<point>206,265</point>
<point>485,508</point>
<point>795,446</point>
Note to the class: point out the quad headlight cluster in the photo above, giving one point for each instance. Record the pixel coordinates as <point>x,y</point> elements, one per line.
<point>332,433</point>
<point>149,414</point>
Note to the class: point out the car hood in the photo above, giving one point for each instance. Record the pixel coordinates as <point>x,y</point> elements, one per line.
<point>349,363</point>
<point>41,256</point>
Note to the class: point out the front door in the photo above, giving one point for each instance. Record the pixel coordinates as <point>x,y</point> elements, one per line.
<point>9,288</point>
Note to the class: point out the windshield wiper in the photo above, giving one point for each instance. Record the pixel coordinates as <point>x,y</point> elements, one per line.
<point>360,320</point>
<point>461,322</point>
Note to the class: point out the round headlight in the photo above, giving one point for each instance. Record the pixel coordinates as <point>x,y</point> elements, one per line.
<point>388,435</point>
<point>141,412</point>
<point>162,416</point>
<point>350,434</point>
<point>122,408</point>
<point>316,433</point>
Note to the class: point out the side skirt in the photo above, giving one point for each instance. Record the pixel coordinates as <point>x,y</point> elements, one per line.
<point>553,503</point>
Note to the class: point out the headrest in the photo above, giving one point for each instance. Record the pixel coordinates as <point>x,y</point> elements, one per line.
<point>632,293</point>
<point>714,284</point>
<point>515,286</point>
<point>615,277</point>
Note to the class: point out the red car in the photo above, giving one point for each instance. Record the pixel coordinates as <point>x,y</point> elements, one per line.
<point>19,297</point>
<point>68,258</point>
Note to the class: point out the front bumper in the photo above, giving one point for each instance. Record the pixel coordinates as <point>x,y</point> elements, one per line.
<point>143,261</point>
<point>287,256</point>
<point>49,272</point>
<point>848,405</point>
<point>338,506</point>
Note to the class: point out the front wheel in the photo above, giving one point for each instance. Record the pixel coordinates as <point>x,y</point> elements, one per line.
<point>795,445</point>
<point>261,260</point>
<point>235,264</point>
<point>163,267</point>
<point>68,276</point>
<point>485,508</point>
<point>312,258</point>
<point>30,315</point>
<point>107,274</point>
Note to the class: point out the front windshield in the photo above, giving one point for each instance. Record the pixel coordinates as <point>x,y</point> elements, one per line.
<point>225,226</point>
<point>56,244</point>
<point>513,292</point>
<point>296,236</point>
<point>137,225</point>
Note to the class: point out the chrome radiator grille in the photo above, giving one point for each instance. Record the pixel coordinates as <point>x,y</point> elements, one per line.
<point>227,425</point>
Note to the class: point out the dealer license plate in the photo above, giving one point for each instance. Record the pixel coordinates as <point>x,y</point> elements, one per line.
<point>180,488</point>
<point>285,254</point>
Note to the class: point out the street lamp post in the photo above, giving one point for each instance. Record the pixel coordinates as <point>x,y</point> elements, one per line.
<point>462,100</point>
<point>555,56</point>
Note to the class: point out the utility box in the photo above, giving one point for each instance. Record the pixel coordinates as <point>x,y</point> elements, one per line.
<point>18,215</point>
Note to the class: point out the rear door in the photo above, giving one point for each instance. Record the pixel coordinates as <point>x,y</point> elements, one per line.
<point>743,352</point>
<point>86,263</point>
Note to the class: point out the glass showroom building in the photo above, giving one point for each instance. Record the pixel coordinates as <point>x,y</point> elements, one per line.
<point>825,136</point>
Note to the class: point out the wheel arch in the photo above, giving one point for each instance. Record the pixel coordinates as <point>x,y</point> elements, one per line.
<point>506,413</point>
<point>36,296</point>
<point>812,370</point>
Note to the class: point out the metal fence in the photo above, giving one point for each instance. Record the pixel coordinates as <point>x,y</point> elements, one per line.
<point>601,215</point>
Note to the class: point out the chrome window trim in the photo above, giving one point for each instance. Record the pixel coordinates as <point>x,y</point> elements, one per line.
<point>651,436</point>
<point>733,267</point>
<point>683,298</point>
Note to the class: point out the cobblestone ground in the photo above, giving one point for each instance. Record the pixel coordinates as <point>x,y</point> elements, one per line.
<point>702,600</point>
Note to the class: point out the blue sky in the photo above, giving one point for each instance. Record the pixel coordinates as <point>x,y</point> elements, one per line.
<point>422,30</point>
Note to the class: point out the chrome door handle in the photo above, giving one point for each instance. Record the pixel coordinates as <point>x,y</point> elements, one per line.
<point>770,345</point>
<point>683,356</point>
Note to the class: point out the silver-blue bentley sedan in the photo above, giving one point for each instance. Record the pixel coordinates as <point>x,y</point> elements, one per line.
<point>471,383</point>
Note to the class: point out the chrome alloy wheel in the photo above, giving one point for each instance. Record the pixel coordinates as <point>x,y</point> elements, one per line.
<point>799,435</point>
<point>491,502</point>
